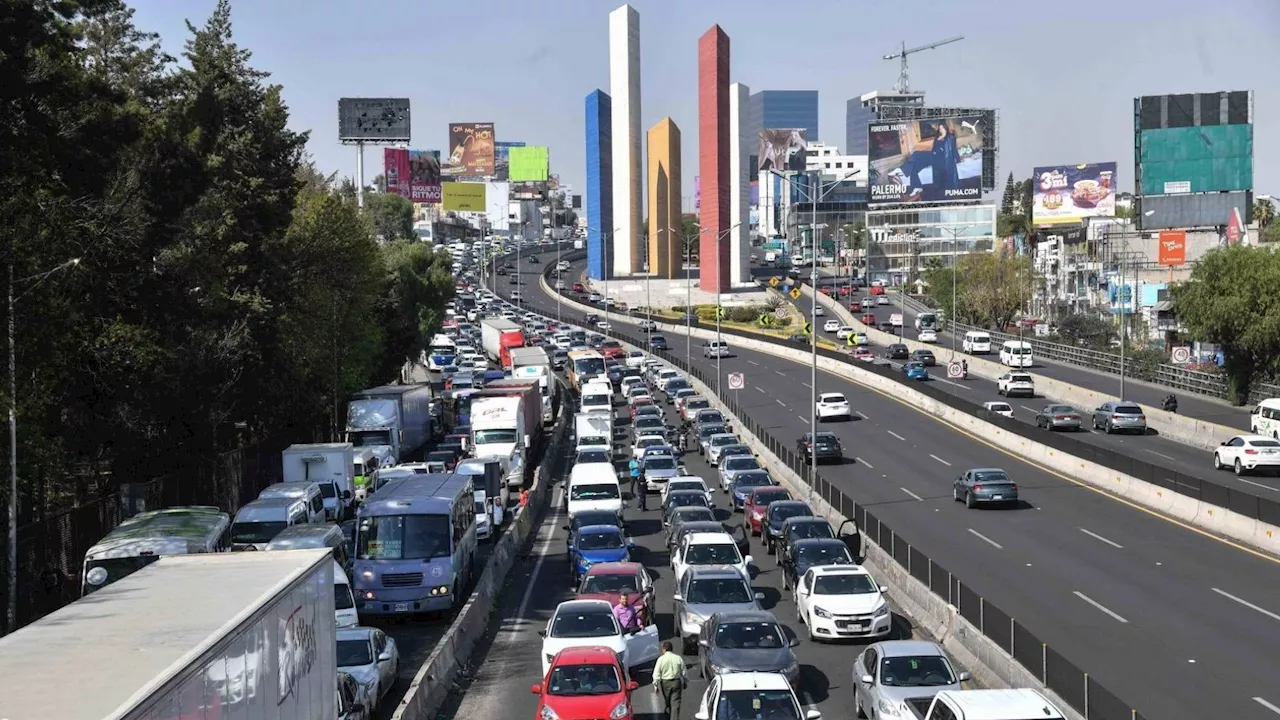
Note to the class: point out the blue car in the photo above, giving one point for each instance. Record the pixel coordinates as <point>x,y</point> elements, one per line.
<point>915,371</point>
<point>747,481</point>
<point>658,342</point>
<point>596,544</point>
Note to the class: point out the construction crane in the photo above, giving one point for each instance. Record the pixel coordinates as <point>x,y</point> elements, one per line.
<point>904,82</point>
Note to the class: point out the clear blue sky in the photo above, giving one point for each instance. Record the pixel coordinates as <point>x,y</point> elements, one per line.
<point>1063,75</point>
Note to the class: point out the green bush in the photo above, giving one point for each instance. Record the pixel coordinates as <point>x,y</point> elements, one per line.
<point>745,314</point>
<point>1144,363</point>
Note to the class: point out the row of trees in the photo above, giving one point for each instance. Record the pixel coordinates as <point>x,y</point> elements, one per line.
<point>225,289</point>
<point>989,288</point>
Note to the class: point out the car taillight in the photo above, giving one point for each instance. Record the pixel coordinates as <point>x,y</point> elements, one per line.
<point>1142,417</point>
<point>1059,417</point>
<point>1250,451</point>
<point>1014,487</point>
<point>977,488</point>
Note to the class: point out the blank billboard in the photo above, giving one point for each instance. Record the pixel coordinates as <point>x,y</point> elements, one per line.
<point>529,164</point>
<point>373,120</point>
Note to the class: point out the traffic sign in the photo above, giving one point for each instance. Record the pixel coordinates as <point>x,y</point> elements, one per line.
<point>808,328</point>
<point>955,370</point>
<point>773,281</point>
<point>848,339</point>
<point>765,319</point>
<point>720,313</point>
<point>795,293</point>
<point>780,313</point>
<point>1182,355</point>
<point>737,381</point>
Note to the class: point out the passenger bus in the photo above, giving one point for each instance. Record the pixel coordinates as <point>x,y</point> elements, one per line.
<point>457,407</point>
<point>415,545</point>
<point>441,353</point>
<point>584,365</point>
<point>149,536</point>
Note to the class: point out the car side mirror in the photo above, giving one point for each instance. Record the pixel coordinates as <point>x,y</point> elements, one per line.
<point>564,527</point>
<point>884,589</point>
<point>677,597</point>
<point>867,679</point>
<point>536,688</point>
<point>813,715</point>
<point>542,633</point>
<point>385,656</point>
<point>759,596</point>
<point>793,642</point>
<point>357,709</point>
<point>702,715</point>
<point>964,677</point>
<point>704,642</point>
<point>346,494</point>
<point>633,685</point>
<point>748,560</point>
<point>1223,443</point>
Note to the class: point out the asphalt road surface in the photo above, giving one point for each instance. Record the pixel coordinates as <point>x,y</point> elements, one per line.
<point>1174,621</point>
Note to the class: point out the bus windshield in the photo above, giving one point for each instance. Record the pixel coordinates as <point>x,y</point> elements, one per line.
<point>588,365</point>
<point>403,537</point>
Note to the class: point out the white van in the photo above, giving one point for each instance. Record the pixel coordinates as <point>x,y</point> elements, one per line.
<point>308,491</point>
<point>1265,419</point>
<point>593,486</point>
<point>344,602</point>
<point>1015,354</point>
<point>976,342</point>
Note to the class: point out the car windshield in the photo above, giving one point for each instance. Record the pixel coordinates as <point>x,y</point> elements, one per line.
<point>342,598</point>
<point>256,532</point>
<point>603,491</point>
<point>781,512</point>
<point>717,590</point>
<point>1128,410</point>
<point>1020,378</point>
<point>592,456</point>
<point>594,517</point>
<point>592,623</point>
<point>741,463</point>
<point>757,705</point>
<point>403,537</point>
<point>570,680</point>
<point>811,530</point>
<point>611,584</point>
<point>722,440</point>
<point>833,399</point>
<point>696,514</point>
<point>826,437</point>
<point>916,671</point>
<point>752,479</point>
<point>823,554</point>
<point>746,635</point>
<point>684,499</point>
<point>675,485</point>
<point>1000,407</point>
<point>764,498</point>
<point>354,653</point>
<point>648,422</point>
<point>713,416</point>
<point>486,437</point>
<point>990,477</point>
<point>717,554</point>
<point>697,404</point>
<point>844,584</point>
<point>599,541</point>
<point>709,430</point>
<point>661,462</point>
<point>1264,443</point>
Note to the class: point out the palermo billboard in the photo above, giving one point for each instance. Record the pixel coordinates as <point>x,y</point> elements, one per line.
<point>1068,194</point>
<point>473,149</point>
<point>464,197</point>
<point>926,160</point>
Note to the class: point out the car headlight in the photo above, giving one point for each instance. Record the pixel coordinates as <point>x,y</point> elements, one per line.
<point>886,707</point>
<point>821,612</point>
<point>550,658</point>
<point>619,711</point>
<point>548,714</point>
<point>882,611</point>
<point>693,618</point>
<point>791,669</point>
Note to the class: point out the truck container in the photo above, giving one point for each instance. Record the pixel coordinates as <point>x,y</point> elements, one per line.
<point>526,388</point>
<point>397,417</point>
<point>498,336</point>
<point>332,466</point>
<point>232,635</point>
<point>534,363</point>
<point>499,428</point>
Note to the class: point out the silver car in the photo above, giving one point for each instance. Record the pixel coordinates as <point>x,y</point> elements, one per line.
<point>706,590</point>
<point>734,465</point>
<point>889,673</point>
<point>716,443</point>
<point>985,486</point>
<point>1116,416</point>
<point>371,657</point>
<point>658,470</point>
<point>1058,417</point>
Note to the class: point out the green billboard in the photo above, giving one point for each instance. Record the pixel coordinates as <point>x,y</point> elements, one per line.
<point>528,164</point>
<point>1206,158</point>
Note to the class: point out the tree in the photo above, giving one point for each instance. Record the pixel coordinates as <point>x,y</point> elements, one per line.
<point>1009,196</point>
<point>419,281</point>
<point>1086,330</point>
<point>990,289</point>
<point>1233,299</point>
<point>1264,212</point>
<point>391,215</point>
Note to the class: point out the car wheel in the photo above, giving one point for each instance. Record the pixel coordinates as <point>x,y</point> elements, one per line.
<point>968,500</point>
<point>813,637</point>
<point>1217,462</point>
<point>857,703</point>
<point>1239,468</point>
<point>955,494</point>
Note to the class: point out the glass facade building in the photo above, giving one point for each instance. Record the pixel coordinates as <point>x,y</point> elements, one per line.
<point>902,240</point>
<point>856,119</point>
<point>782,109</point>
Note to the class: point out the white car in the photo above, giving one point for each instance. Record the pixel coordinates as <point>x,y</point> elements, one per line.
<point>517,296</point>
<point>635,359</point>
<point>604,325</point>
<point>882,299</point>
<point>1248,453</point>
<point>927,336</point>
<point>731,696</point>
<point>1015,383</point>
<point>687,482</point>
<point>819,312</point>
<point>586,623</point>
<point>833,405</point>
<point>842,601</point>
<point>844,331</point>
<point>647,324</point>
<point>999,408</point>
<point>708,548</point>
<point>371,657</point>
<point>831,326</point>
<point>646,441</point>
<point>594,297</point>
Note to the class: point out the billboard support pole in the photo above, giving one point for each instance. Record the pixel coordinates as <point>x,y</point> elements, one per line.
<point>360,174</point>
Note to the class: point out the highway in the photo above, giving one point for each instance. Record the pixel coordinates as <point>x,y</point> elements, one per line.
<point>1148,607</point>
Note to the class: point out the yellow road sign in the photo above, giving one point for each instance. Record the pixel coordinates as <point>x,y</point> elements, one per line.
<point>773,281</point>
<point>720,313</point>
<point>765,319</point>
<point>848,339</point>
<point>808,328</point>
<point>795,293</point>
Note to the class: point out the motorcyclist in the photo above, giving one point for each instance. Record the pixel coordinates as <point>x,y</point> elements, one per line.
<point>1171,403</point>
<point>964,369</point>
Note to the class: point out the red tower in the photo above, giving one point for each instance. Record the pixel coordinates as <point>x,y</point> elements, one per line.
<point>713,159</point>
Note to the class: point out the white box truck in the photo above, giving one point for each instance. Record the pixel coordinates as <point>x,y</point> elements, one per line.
<point>243,635</point>
<point>533,362</point>
<point>332,465</point>
<point>498,430</point>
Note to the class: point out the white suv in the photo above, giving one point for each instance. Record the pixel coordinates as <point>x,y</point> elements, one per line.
<point>715,349</point>
<point>1010,384</point>
<point>832,405</point>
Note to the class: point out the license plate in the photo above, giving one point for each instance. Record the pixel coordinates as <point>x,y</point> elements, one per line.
<point>997,497</point>
<point>401,607</point>
<point>846,625</point>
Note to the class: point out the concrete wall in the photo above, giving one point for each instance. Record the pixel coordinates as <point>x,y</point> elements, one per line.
<point>665,244</point>
<point>713,159</point>
<point>599,185</point>
<point>624,87</point>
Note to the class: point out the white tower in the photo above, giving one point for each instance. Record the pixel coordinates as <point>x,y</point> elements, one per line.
<point>624,89</point>
<point>739,186</point>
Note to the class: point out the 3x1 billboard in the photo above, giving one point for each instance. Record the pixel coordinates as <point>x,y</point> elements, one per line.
<point>463,197</point>
<point>412,174</point>
<point>1065,194</point>
<point>929,160</point>
<point>529,164</point>
<point>473,148</point>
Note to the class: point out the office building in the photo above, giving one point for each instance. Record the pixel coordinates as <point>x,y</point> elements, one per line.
<point>713,159</point>
<point>833,164</point>
<point>665,244</point>
<point>624,89</point>
<point>869,108</point>
<point>741,148</point>
<point>599,189</point>
<point>900,241</point>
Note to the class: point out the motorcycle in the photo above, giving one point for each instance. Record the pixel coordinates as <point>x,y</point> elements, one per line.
<point>1171,404</point>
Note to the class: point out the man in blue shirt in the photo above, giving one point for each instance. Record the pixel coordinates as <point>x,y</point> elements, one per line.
<point>637,484</point>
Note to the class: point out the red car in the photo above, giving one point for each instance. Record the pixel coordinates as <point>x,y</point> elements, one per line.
<point>844,291</point>
<point>758,501</point>
<point>606,581</point>
<point>585,682</point>
<point>579,287</point>
<point>864,354</point>
<point>868,319</point>
<point>640,402</point>
<point>612,349</point>
<point>877,289</point>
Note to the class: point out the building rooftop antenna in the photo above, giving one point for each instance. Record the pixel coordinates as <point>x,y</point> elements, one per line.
<point>904,81</point>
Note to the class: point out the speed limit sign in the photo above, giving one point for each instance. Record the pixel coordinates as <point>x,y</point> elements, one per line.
<point>737,381</point>
<point>1181,355</point>
<point>955,370</point>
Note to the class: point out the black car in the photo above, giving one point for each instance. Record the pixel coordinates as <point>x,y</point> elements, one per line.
<point>590,319</point>
<point>898,351</point>
<point>533,259</point>
<point>747,641</point>
<point>689,516</point>
<point>658,342</point>
<point>672,386</point>
<point>810,552</point>
<point>513,280</point>
<point>924,356</point>
<point>682,498</point>
<point>799,339</point>
<point>828,447</point>
<point>590,517</point>
<point>775,517</point>
<point>802,527</point>
<point>502,271</point>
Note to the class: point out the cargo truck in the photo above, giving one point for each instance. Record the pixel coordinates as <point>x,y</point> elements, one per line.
<point>245,635</point>
<point>499,428</point>
<point>498,336</point>
<point>332,466</point>
<point>397,419</point>
<point>534,363</point>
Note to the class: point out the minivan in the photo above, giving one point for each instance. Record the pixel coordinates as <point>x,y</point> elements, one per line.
<point>257,523</point>
<point>1265,418</point>
<point>1016,354</point>
<point>977,342</point>
<point>301,537</point>
<point>308,491</point>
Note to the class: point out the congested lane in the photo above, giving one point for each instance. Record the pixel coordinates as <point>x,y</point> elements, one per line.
<point>1139,602</point>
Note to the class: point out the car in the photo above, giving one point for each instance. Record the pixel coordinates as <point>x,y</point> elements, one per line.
<point>688,482</point>
<point>644,411</point>
<point>998,408</point>
<point>589,518</point>
<point>649,424</point>
<point>1248,453</point>
<point>744,482</point>
<point>715,349</point>
<point>585,682</point>
<point>758,501</point>
<point>889,673</point>
<point>604,325</point>
<point>635,358</point>
<point>673,386</point>
<point>589,623</point>
<point>533,260</point>
<point>705,590</point>
<point>579,287</point>
<point>682,498</point>
<point>844,331</point>
<point>800,339</point>
<point>819,312</point>
<point>925,357</point>
<point>349,705</point>
<point>1058,417</point>
<point>370,656</point>
<point>1116,416</point>
<point>740,641</point>
<point>776,515</point>
<point>646,441</point>
<point>658,342</point>
<point>833,405</point>
<point>800,527</point>
<point>858,338</point>
<point>897,351</point>
<point>915,370</point>
<point>842,601</point>
<point>805,553</point>
<point>715,443</point>
<point>682,519</point>
<point>704,433</point>
<point>1015,383</point>
<point>864,354</point>
<point>647,325</point>
<point>608,580</point>
<point>868,319</point>
<point>734,465</point>
<point>709,415</point>
<point>927,336</point>
<point>828,447</point>
<point>984,486</point>
<point>658,470</point>
<point>735,450</point>
<point>882,300</point>
<point>752,695</point>
<point>596,544</point>
<point>831,326</point>
<point>594,297</point>
<point>707,549</point>
<point>690,407</point>
<point>592,455</point>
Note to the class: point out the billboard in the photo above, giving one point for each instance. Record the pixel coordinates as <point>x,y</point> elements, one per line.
<point>529,164</point>
<point>463,197</point>
<point>1173,247</point>
<point>373,120</point>
<point>1215,158</point>
<point>782,149</point>
<point>473,149</point>
<point>1067,194</point>
<point>424,176</point>
<point>395,170</point>
<point>932,160</point>
<point>497,204</point>
<point>502,159</point>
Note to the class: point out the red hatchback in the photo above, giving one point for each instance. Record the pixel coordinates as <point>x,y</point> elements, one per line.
<point>585,682</point>
<point>608,580</point>
<point>758,501</point>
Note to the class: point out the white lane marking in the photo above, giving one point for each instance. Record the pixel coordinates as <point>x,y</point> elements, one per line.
<point>862,415</point>
<point>1267,705</point>
<point>1250,482</point>
<point>1096,536</point>
<point>966,388</point>
<point>911,494</point>
<point>1166,457</point>
<point>1099,605</point>
<point>761,389</point>
<point>896,435</point>
<point>935,457</point>
<point>780,373</point>
<point>1246,603</point>
<point>807,385</point>
<point>779,402</point>
<point>986,539</point>
<point>864,462</point>
<point>1024,407</point>
<point>753,362</point>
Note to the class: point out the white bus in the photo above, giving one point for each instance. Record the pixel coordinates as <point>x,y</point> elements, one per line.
<point>149,536</point>
<point>441,353</point>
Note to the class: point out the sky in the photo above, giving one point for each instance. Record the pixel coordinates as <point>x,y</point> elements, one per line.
<point>1063,76</point>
